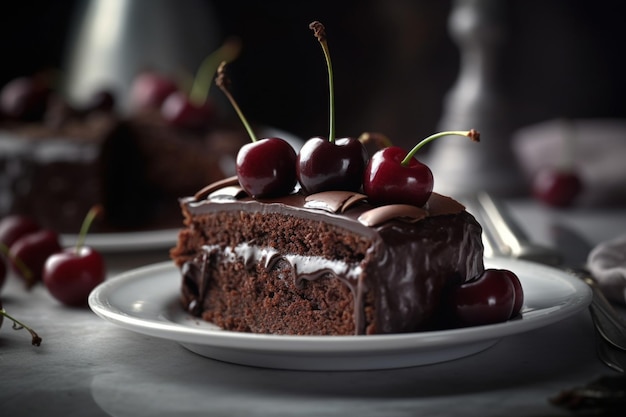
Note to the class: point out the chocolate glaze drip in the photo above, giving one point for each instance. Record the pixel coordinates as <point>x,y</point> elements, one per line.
<point>413,253</point>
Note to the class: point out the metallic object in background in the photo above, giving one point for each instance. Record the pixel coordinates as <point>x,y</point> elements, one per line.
<point>113,39</point>
<point>506,237</point>
<point>477,101</point>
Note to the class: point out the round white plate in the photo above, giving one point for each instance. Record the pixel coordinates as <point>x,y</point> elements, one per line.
<point>125,242</point>
<point>145,300</point>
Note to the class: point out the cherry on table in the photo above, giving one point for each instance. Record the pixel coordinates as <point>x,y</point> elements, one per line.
<point>14,226</point>
<point>71,274</point>
<point>30,252</point>
<point>557,187</point>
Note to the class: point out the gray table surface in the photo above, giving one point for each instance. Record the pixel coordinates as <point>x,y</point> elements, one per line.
<point>87,366</point>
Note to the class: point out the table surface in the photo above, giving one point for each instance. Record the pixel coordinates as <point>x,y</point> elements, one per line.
<point>88,366</point>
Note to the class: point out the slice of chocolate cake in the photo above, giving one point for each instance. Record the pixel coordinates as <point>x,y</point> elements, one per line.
<point>322,264</point>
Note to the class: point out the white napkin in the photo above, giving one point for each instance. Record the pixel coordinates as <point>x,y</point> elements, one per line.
<point>598,151</point>
<point>607,263</point>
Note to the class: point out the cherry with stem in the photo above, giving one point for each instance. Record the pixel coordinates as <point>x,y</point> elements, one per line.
<point>393,176</point>
<point>195,109</point>
<point>330,164</point>
<point>265,167</point>
<point>73,273</point>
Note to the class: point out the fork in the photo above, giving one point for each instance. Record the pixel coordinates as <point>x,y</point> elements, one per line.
<point>503,237</point>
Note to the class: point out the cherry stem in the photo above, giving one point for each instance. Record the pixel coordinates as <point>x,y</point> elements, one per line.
<point>202,82</point>
<point>94,212</point>
<point>320,34</point>
<point>223,82</point>
<point>18,325</point>
<point>474,135</point>
<point>19,264</point>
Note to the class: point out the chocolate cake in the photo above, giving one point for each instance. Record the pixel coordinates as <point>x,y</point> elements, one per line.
<point>321,264</point>
<point>56,171</point>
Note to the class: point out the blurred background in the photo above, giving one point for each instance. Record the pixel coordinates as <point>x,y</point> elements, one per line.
<point>393,60</point>
<point>395,63</point>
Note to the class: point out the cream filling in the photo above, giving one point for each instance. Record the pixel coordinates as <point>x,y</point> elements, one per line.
<point>303,265</point>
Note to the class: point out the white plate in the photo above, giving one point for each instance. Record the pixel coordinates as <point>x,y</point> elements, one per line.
<point>145,300</point>
<point>125,242</point>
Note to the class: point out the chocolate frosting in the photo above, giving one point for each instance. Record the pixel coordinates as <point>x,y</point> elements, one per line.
<point>414,253</point>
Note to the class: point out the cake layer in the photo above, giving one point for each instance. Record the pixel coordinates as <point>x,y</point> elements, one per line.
<point>321,264</point>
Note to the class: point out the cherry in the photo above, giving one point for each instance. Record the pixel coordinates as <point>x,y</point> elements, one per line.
<point>393,176</point>
<point>489,298</point>
<point>557,187</point>
<point>149,90</point>
<point>14,226</point>
<point>24,98</point>
<point>519,292</point>
<point>18,325</point>
<point>196,109</point>
<point>332,164</point>
<point>324,165</point>
<point>31,251</point>
<point>179,110</point>
<point>266,167</point>
<point>72,274</point>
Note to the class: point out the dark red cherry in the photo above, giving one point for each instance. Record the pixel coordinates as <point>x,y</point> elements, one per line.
<point>519,292</point>
<point>72,274</point>
<point>394,176</point>
<point>24,98</point>
<point>150,89</point>
<point>323,165</point>
<point>556,187</point>
<point>489,298</point>
<point>330,164</point>
<point>179,110</point>
<point>388,181</point>
<point>32,250</point>
<point>267,168</point>
<point>14,226</point>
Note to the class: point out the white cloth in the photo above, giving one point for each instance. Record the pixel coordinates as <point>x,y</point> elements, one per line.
<point>607,263</point>
<point>598,152</point>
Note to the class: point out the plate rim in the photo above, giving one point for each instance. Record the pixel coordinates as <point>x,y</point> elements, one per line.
<point>144,240</point>
<point>160,327</point>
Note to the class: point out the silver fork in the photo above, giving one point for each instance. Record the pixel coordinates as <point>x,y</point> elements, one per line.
<point>503,237</point>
